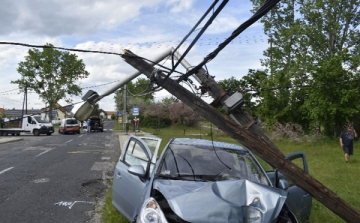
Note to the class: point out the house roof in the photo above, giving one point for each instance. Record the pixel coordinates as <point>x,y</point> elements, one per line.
<point>110,112</point>
<point>2,110</point>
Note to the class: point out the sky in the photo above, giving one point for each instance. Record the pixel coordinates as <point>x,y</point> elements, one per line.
<point>146,27</point>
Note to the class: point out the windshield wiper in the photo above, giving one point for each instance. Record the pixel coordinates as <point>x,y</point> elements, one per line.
<point>188,177</point>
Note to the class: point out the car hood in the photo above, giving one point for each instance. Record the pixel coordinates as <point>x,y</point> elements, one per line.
<point>220,201</point>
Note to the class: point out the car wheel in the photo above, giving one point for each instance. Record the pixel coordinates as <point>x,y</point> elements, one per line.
<point>78,132</point>
<point>36,132</point>
<point>49,134</point>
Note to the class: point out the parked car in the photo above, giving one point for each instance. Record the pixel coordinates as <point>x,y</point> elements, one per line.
<point>196,180</point>
<point>68,125</point>
<point>96,124</point>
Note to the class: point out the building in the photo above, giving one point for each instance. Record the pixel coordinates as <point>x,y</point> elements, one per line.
<point>18,113</point>
<point>108,114</point>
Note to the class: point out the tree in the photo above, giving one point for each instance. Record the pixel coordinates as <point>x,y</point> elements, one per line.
<point>137,93</point>
<point>180,113</point>
<point>332,34</point>
<point>96,111</point>
<point>52,74</point>
<point>313,62</point>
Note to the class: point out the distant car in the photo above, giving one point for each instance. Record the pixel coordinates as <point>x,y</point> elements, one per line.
<point>196,180</point>
<point>68,125</point>
<point>96,124</point>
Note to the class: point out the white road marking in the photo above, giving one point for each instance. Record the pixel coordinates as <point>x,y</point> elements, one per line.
<point>68,141</point>
<point>43,152</point>
<point>81,136</point>
<point>6,170</point>
<point>71,204</point>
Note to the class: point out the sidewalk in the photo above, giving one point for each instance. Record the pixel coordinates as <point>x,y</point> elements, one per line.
<point>6,139</point>
<point>123,136</point>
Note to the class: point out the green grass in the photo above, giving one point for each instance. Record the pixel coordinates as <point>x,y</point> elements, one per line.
<point>325,160</point>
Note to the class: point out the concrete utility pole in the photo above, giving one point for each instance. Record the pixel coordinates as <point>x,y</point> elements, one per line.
<point>246,132</point>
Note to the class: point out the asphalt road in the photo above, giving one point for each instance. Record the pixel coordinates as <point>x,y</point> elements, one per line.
<point>57,178</point>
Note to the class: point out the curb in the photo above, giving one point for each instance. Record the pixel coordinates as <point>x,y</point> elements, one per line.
<point>9,139</point>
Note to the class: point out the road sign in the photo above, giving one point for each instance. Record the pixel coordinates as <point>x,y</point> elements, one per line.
<point>119,113</point>
<point>135,111</point>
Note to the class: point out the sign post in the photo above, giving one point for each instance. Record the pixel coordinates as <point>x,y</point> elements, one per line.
<point>136,120</point>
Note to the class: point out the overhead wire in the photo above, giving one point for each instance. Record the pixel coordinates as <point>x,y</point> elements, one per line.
<point>268,5</point>
<point>264,9</point>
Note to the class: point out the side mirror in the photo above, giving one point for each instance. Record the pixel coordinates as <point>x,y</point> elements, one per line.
<point>137,170</point>
<point>283,184</point>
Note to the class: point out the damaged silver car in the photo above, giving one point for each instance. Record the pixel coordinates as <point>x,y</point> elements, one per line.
<point>196,180</point>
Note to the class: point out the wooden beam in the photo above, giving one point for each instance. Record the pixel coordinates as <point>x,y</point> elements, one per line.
<point>252,138</point>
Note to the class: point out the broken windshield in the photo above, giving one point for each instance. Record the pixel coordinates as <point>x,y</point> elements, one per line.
<point>184,162</point>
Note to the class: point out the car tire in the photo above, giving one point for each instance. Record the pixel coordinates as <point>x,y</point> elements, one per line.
<point>36,132</point>
<point>49,134</point>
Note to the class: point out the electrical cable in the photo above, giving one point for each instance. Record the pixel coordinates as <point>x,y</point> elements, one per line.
<point>203,29</point>
<point>268,5</point>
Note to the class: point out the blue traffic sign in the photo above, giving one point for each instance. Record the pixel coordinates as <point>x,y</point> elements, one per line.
<point>135,111</point>
<point>119,113</point>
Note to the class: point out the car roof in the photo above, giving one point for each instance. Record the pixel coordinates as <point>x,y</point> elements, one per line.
<point>207,143</point>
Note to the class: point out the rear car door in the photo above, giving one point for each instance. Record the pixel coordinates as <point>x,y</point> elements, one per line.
<point>128,188</point>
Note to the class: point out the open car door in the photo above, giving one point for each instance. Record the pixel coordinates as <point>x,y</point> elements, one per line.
<point>298,200</point>
<point>132,173</point>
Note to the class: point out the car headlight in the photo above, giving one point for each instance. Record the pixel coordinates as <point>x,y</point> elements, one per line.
<point>151,212</point>
<point>252,213</point>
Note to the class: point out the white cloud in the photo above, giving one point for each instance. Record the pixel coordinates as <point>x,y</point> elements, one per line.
<point>147,28</point>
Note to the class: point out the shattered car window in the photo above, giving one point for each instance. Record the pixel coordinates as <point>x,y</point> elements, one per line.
<point>210,164</point>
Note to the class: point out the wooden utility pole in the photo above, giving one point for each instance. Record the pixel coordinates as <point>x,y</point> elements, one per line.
<point>246,132</point>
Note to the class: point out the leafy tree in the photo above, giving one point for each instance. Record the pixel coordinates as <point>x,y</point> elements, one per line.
<point>51,73</point>
<point>313,62</point>
<point>137,93</point>
<point>332,34</point>
<point>96,111</point>
<point>180,113</point>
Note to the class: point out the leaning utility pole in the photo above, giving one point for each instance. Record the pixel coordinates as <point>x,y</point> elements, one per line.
<point>245,131</point>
